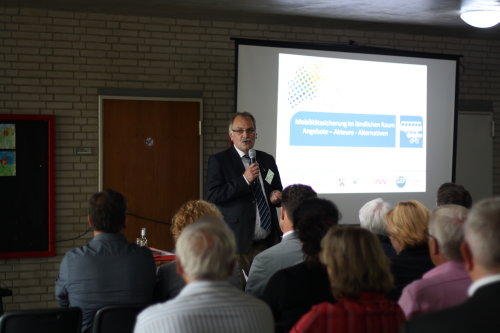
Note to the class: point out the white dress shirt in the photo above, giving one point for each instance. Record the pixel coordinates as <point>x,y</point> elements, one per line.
<point>260,233</point>
<point>482,282</point>
<point>208,307</point>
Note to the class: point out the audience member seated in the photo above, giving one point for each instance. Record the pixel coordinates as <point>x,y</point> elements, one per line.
<point>453,194</point>
<point>446,284</point>
<point>360,277</point>
<point>108,270</point>
<point>481,254</point>
<point>169,282</point>
<point>206,255</point>
<point>286,253</point>
<point>407,227</point>
<point>372,217</point>
<point>292,291</point>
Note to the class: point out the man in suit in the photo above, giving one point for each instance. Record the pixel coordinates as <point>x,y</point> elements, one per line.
<point>235,185</point>
<point>286,253</point>
<point>481,253</point>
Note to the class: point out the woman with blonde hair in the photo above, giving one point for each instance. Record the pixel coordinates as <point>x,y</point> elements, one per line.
<point>359,277</point>
<point>407,225</point>
<point>190,212</point>
<point>169,283</point>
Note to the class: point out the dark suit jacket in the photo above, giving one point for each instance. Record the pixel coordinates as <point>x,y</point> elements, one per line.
<point>169,283</point>
<point>408,266</point>
<point>227,189</point>
<point>480,313</point>
<point>108,270</point>
<point>387,246</point>
<point>292,291</point>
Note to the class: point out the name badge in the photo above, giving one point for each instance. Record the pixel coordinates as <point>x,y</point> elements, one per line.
<point>269,176</point>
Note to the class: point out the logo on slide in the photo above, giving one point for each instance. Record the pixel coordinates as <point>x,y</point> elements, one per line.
<point>411,129</point>
<point>380,181</point>
<point>401,181</point>
<point>304,85</point>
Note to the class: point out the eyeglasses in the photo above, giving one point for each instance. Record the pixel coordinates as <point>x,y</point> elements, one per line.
<point>241,131</point>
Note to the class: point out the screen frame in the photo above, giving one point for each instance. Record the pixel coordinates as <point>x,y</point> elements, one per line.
<point>354,48</point>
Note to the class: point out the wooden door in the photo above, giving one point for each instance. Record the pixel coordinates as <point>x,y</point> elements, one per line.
<point>151,154</point>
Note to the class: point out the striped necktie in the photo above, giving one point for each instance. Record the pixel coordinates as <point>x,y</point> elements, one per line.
<point>264,212</point>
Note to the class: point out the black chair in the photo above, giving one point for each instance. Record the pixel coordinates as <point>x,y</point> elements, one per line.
<point>67,320</point>
<point>116,318</point>
<point>4,293</point>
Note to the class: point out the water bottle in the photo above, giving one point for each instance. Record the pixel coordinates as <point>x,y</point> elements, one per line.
<point>142,240</point>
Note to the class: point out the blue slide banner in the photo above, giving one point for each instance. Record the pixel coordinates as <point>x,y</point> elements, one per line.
<point>342,129</point>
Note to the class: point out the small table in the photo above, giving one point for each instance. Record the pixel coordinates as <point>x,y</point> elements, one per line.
<point>161,257</point>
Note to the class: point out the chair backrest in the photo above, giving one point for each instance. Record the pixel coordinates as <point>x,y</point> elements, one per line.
<point>67,320</point>
<point>116,318</point>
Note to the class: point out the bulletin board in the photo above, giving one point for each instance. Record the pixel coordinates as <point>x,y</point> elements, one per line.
<point>27,186</point>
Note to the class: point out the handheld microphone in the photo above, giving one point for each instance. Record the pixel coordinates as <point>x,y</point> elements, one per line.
<point>253,155</point>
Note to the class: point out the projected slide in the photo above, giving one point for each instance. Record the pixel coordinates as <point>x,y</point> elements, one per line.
<point>352,126</point>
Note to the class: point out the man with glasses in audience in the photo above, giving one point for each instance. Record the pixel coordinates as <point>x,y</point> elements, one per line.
<point>246,189</point>
<point>446,284</point>
<point>481,253</point>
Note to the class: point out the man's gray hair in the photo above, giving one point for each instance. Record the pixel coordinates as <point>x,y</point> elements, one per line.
<point>206,249</point>
<point>482,232</point>
<point>446,226</point>
<point>371,216</point>
<point>241,114</point>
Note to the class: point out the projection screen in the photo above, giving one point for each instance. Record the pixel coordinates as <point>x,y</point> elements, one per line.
<point>355,123</point>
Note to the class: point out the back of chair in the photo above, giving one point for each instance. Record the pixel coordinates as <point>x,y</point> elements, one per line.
<point>67,320</point>
<point>116,318</point>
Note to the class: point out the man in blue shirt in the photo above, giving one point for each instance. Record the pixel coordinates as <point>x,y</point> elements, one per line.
<point>108,270</point>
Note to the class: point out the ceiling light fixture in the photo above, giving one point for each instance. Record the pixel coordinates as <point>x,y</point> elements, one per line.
<point>481,18</point>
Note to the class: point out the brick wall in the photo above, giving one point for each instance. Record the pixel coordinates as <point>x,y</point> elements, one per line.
<point>54,62</point>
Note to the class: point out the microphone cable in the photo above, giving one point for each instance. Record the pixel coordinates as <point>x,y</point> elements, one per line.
<point>90,228</point>
<point>74,238</point>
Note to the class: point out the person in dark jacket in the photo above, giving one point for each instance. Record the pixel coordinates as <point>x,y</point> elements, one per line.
<point>292,291</point>
<point>407,224</point>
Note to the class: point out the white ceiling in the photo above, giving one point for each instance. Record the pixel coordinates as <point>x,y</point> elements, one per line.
<point>418,16</point>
